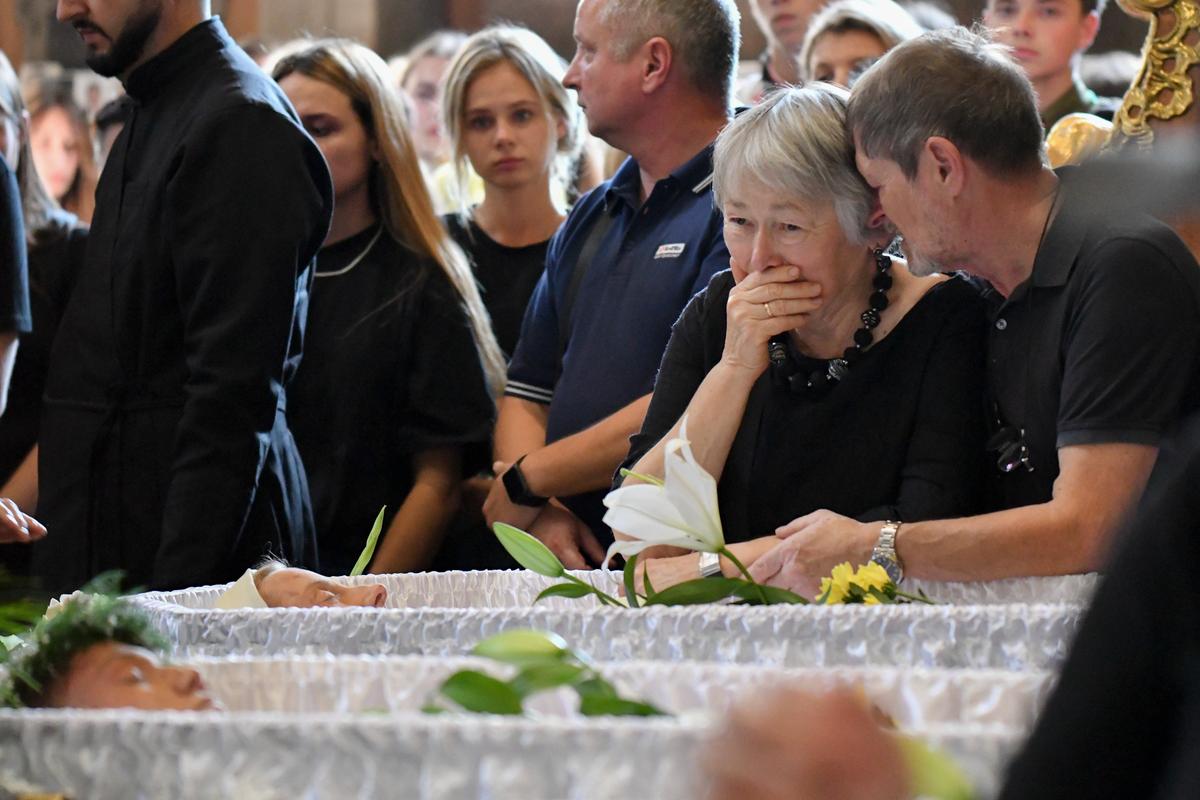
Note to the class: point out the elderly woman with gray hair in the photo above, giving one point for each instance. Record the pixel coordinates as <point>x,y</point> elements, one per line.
<point>817,373</point>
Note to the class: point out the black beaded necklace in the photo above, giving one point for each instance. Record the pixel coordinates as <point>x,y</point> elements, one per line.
<point>817,384</point>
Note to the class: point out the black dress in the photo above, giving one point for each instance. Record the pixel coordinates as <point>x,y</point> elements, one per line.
<point>390,369</point>
<point>506,275</point>
<point>901,437</point>
<point>55,258</point>
<point>164,447</point>
<point>14,274</point>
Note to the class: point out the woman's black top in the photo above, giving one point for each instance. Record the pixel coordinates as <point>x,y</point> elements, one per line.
<point>14,273</point>
<point>55,258</point>
<point>390,368</point>
<point>507,276</point>
<point>901,437</point>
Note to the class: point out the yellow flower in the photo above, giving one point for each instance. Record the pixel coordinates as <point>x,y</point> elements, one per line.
<point>837,585</point>
<point>872,576</point>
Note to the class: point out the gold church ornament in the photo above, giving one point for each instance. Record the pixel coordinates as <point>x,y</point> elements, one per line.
<point>1075,138</point>
<point>1164,87</point>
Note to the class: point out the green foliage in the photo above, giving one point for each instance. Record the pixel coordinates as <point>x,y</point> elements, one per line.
<point>696,592</point>
<point>650,479</point>
<point>98,615</point>
<point>528,551</point>
<point>775,595</point>
<point>364,559</point>
<point>630,578</point>
<point>523,648</point>
<point>545,663</point>
<point>571,590</point>
<point>481,693</point>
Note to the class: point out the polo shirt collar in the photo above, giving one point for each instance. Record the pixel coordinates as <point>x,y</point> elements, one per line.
<point>1060,248</point>
<point>695,175</point>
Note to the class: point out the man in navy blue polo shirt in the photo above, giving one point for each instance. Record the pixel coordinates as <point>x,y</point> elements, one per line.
<point>655,79</point>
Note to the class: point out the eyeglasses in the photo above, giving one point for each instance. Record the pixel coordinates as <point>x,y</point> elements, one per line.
<point>1010,448</point>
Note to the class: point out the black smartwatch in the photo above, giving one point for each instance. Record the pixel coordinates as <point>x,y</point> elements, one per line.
<point>518,488</point>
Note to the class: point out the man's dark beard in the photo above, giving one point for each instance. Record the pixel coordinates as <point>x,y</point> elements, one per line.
<point>128,46</point>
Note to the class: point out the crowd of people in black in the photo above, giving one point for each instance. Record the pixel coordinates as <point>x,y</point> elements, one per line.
<point>313,286</point>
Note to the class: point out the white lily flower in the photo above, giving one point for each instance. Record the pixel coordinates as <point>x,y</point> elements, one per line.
<point>682,512</point>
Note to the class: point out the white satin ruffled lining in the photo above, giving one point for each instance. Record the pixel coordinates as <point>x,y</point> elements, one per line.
<point>325,727</point>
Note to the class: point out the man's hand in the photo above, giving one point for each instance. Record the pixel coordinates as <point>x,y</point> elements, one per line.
<point>499,508</point>
<point>568,537</point>
<point>16,525</point>
<point>812,546</point>
<point>791,745</point>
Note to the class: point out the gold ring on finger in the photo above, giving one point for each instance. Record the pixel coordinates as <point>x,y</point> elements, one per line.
<point>767,306</point>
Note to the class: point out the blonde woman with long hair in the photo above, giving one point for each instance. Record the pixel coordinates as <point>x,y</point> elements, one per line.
<point>400,364</point>
<point>511,121</point>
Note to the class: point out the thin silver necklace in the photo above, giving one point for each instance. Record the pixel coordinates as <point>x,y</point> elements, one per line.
<point>354,263</point>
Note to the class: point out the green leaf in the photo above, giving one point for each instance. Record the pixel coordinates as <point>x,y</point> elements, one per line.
<point>482,693</point>
<point>596,706</point>
<point>595,686</point>
<point>432,708</point>
<point>696,592</point>
<point>528,551</point>
<point>539,677</point>
<point>10,643</point>
<point>572,590</point>
<point>934,774</point>
<point>630,585</point>
<point>523,647</point>
<point>364,560</point>
<point>649,587</point>
<point>752,593</point>
<point>650,479</point>
<point>884,598</point>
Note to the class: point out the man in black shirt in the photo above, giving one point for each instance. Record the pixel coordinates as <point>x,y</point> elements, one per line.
<point>1094,351</point>
<point>1122,722</point>
<point>164,447</point>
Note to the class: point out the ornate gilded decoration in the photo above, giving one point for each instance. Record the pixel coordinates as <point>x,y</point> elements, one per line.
<point>1075,138</point>
<point>1163,89</point>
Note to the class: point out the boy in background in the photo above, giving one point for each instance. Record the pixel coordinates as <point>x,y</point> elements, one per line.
<point>1048,38</point>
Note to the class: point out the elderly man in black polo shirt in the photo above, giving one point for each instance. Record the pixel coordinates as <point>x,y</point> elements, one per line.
<point>1093,350</point>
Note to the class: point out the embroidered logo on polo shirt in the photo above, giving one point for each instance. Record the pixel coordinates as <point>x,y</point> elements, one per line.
<point>670,251</point>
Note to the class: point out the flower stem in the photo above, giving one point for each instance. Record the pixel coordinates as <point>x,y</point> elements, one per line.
<point>605,598</point>
<point>914,598</point>
<point>745,573</point>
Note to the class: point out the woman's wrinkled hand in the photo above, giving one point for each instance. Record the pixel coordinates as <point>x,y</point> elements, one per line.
<point>765,304</point>
<point>666,572</point>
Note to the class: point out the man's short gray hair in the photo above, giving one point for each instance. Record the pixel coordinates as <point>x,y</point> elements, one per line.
<point>705,36</point>
<point>956,84</point>
<point>795,142</point>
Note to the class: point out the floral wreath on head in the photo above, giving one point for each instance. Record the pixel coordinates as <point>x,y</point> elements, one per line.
<point>97,614</point>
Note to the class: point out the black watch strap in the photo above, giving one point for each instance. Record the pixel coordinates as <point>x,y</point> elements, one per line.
<point>518,489</point>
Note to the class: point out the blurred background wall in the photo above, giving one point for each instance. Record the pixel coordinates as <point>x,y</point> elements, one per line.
<point>28,30</point>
